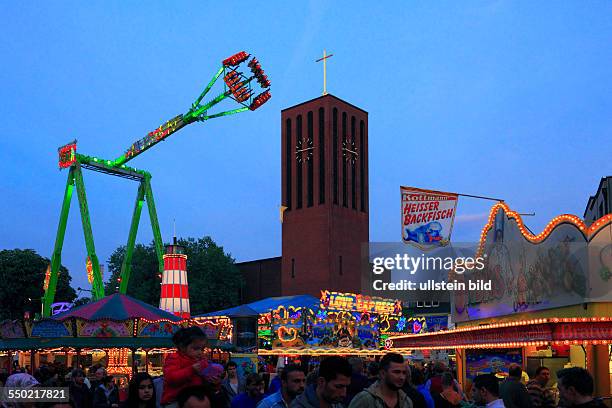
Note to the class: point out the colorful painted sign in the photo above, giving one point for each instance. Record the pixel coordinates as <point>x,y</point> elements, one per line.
<point>326,329</point>
<point>11,329</point>
<point>563,265</point>
<point>402,324</point>
<point>491,361</point>
<point>436,323</point>
<point>359,303</point>
<point>104,328</point>
<point>47,278</point>
<point>51,328</point>
<point>246,364</point>
<point>67,155</point>
<point>156,329</point>
<point>89,269</point>
<point>427,217</point>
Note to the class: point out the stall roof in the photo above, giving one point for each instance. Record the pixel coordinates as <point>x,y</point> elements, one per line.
<point>117,307</point>
<point>96,342</point>
<point>266,305</point>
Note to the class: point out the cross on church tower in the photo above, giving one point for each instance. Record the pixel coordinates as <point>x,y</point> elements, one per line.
<point>324,59</point>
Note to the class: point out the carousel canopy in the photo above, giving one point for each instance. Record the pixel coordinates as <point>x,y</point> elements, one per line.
<point>117,307</point>
<point>267,305</point>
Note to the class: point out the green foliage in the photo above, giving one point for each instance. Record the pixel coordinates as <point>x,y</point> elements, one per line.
<point>144,282</point>
<point>22,273</point>
<point>214,279</point>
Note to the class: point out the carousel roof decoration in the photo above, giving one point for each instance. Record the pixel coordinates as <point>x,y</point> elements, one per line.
<point>118,307</point>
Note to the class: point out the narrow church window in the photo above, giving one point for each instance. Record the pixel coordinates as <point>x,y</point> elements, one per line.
<point>353,180</point>
<point>298,163</point>
<point>310,161</point>
<point>335,153</point>
<point>321,156</point>
<point>344,163</point>
<point>362,186</point>
<point>288,154</point>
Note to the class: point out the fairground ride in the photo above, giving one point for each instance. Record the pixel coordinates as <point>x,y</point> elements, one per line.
<point>236,86</point>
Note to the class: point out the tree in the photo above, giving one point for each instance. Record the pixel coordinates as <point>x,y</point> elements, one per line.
<point>214,279</point>
<point>22,273</point>
<point>144,282</point>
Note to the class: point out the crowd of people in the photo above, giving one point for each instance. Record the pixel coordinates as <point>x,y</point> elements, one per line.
<point>340,382</point>
<point>191,381</point>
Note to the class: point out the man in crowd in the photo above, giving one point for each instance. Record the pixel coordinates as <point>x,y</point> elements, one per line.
<point>99,374</point>
<point>359,382</point>
<point>232,385</point>
<point>387,391</point>
<point>194,397</point>
<point>434,384</point>
<point>418,399</point>
<point>293,380</point>
<point>485,391</point>
<point>254,392</point>
<point>576,389</point>
<point>513,391</point>
<point>79,393</point>
<point>275,384</point>
<point>373,369</point>
<point>330,388</point>
<point>541,396</point>
<point>418,381</point>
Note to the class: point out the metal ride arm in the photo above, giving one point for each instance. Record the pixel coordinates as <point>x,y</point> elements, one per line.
<point>237,86</point>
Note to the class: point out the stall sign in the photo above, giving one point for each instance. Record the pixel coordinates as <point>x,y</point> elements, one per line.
<point>427,217</point>
<point>359,303</point>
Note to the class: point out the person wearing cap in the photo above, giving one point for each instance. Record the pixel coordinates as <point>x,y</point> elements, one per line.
<point>218,396</point>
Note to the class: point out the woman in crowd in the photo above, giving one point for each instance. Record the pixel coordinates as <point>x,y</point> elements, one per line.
<point>141,392</point>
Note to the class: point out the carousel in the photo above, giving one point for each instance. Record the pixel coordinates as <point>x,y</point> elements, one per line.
<point>118,332</point>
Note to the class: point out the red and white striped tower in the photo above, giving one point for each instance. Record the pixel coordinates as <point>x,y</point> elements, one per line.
<point>174,287</point>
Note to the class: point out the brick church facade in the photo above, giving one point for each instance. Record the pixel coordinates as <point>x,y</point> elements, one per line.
<point>324,159</point>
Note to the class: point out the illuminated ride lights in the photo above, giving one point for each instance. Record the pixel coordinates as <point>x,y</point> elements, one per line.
<point>236,86</point>
<point>236,59</point>
<point>507,344</point>
<point>558,220</point>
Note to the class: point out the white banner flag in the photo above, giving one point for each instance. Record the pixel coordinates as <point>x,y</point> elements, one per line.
<point>427,217</point>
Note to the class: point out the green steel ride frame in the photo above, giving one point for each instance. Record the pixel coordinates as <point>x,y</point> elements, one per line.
<point>237,86</point>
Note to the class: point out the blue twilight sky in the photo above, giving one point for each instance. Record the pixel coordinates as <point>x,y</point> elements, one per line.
<point>511,99</point>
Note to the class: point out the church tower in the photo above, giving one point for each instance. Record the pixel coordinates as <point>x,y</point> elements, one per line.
<point>324,151</point>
